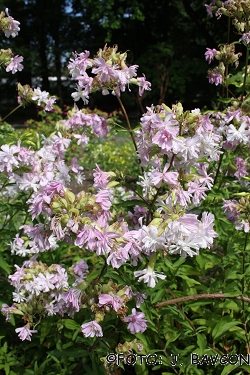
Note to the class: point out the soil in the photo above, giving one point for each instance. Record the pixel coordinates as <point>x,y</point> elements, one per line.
<point>87,183</point>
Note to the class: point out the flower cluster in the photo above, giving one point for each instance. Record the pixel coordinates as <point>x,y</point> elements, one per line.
<point>10,27</point>
<point>226,56</point>
<point>173,148</point>
<point>110,73</point>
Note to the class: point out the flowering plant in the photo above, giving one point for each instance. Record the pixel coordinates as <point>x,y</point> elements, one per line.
<point>100,264</point>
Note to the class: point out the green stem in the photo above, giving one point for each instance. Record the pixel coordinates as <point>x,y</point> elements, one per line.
<point>245,76</point>
<point>226,75</point>
<point>129,125</point>
<point>218,169</point>
<point>152,260</point>
<point>243,269</point>
<point>127,120</point>
<point>13,110</point>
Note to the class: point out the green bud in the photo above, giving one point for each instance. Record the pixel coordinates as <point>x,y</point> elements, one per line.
<point>167,109</point>
<point>156,222</point>
<point>64,219</point>
<point>70,196</point>
<point>225,12</point>
<point>157,214</point>
<point>113,184</point>
<point>99,316</point>
<point>175,217</point>
<point>83,285</point>
<point>55,206</point>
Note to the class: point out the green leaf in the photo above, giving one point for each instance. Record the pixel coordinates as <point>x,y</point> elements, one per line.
<point>68,353</point>
<point>201,341</point>
<point>4,265</point>
<point>189,281</point>
<point>70,324</point>
<point>132,202</point>
<point>93,275</point>
<point>158,296</point>
<point>224,324</point>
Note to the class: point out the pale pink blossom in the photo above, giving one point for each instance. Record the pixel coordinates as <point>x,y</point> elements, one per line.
<point>137,322</point>
<point>15,64</point>
<point>24,333</point>
<point>210,54</point>
<point>8,159</point>
<point>13,26</point>
<point>92,329</point>
<point>143,84</point>
<point>110,300</point>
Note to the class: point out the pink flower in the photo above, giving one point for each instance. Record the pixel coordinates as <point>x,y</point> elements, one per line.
<point>231,209</point>
<point>107,72</point>
<point>214,76</point>
<point>92,329</point>
<point>72,300</point>
<point>83,139</point>
<point>49,103</point>
<point>143,84</point>
<point>170,178</point>
<point>137,322</point>
<point>103,198</point>
<point>7,157</point>
<point>101,178</point>
<point>8,310</point>
<point>40,96</point>
<point>13,26</point>
<point>198,191</point>
<point>25,333</point>
<point>15,64</point>
<point>245,37</point>
<point>80,268</point>
<point>100,127</point>
<point>206,233</point>
<point>79,63</point>
<point>112,301</point>
<point>241,165</point>
<point>209,55</point>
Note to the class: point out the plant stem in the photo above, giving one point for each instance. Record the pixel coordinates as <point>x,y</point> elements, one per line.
<point>218,169</point>
<point>127,120</point>
<point>184,315</point>
<point>243,268</point>
<point>197,297</point>
<point>245,76</point>
<point>129,126</point>
<point>13,110</point>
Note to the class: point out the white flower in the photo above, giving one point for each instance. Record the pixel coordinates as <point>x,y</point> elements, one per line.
<point>151,240</point>
<point>40,96</point>
<point>184,246</point>
<point>149,276</point>
<point>240,136</point>
<point>146,184</point>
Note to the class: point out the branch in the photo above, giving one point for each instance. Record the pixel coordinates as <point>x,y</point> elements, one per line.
<point>196,297</point>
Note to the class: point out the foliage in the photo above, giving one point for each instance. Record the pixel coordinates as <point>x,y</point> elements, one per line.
<point>147,271</point>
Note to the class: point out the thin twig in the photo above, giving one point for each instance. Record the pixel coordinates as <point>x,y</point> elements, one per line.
<point>197,297</point>
<point>185,316</point>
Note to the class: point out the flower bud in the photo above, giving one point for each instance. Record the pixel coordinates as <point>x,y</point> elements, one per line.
<point>64,219</point>
<point>99,316</point>
<point>70,196</point>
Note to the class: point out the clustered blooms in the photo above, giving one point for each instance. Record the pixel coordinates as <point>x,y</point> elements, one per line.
<point>174,148</point>
<point>226,56</point>
<point>110,73</point>
<point>10,27</point>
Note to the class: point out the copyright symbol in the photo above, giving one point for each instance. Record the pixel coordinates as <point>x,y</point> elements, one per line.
<point>111,358</point>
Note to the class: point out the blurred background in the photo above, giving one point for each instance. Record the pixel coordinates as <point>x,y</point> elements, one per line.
<point>166,38</point>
